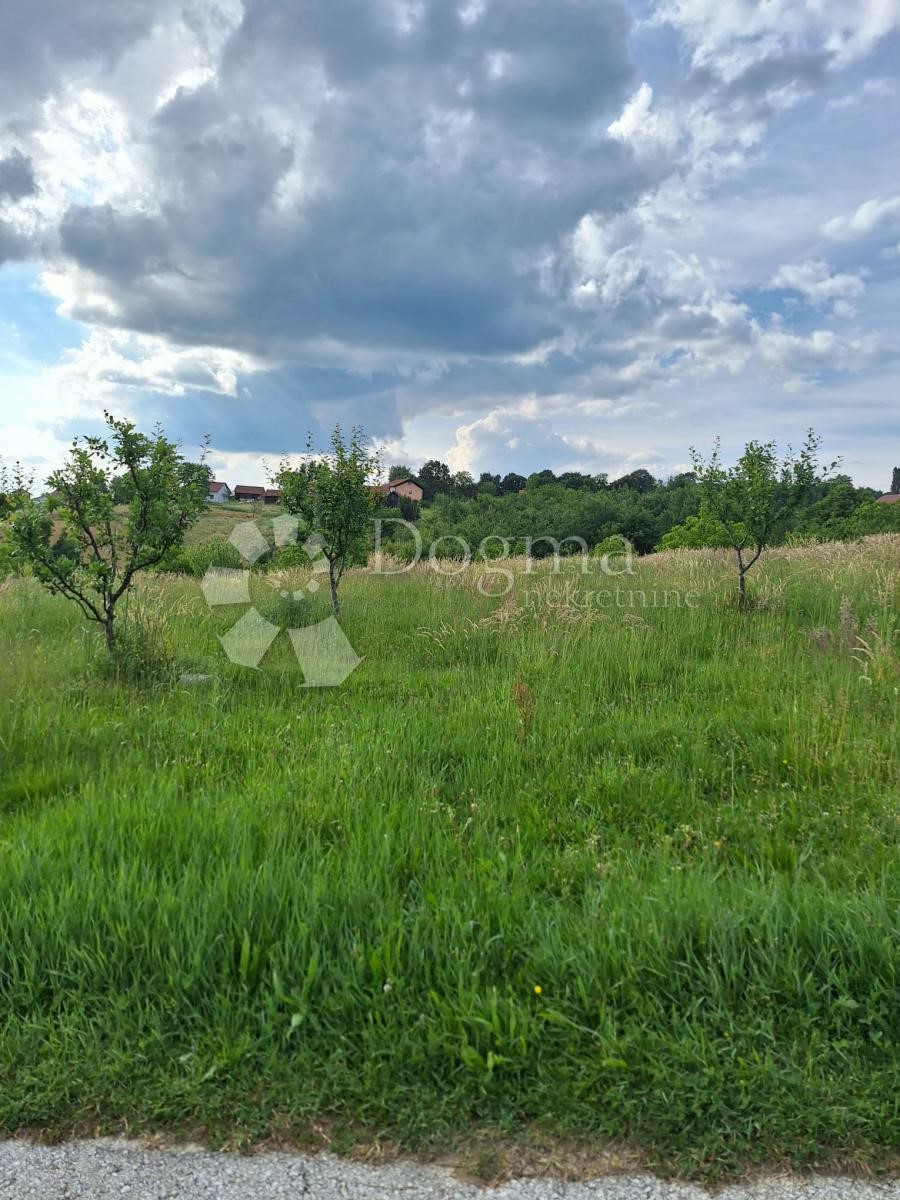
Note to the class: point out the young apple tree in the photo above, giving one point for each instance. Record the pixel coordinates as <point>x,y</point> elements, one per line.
<point>752,500</point>
<point>98,549</point>
<point>329,493</point>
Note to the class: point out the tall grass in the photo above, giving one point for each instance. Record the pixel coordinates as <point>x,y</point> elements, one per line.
<point>628,872</point>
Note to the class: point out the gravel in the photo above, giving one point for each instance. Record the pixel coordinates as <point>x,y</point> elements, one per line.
<point>115,1169</point>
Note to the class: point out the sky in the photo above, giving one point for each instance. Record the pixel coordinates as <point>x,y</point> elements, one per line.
<point>509,234</point>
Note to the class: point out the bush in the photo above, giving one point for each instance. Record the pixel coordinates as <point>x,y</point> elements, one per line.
<point>696,533</point>
<point>8,563</point>
<point>614,544</point>
<point>286,557</point>
<point>873,518</point>
<point>196,560</point>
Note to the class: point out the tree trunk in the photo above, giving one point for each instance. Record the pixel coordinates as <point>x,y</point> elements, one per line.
<point>332,580</point>
<point>109,630</point>
<point>742,580</point>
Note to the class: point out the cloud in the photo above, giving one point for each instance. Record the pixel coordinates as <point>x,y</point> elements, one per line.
<point>14,247</point>
<point>425,213</point>
<point>522,438</point>
<point>817,284</point>
<point>115,246</point>
<point>519,435</point>
<point>808,356</point>
<point>405,196</point>
<point>649,132</point>
<point>852,100</point>
<point>735,33</point>
<point>44,39</point>
<point>16,176</point>
<point>870,217</point>
<point>109,361</point>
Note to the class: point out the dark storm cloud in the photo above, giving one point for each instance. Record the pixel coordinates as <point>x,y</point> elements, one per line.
<point>13,246</point>
<point>273,413</point>
<point>296,403</point>
<point>529,61</point>
<point>41,38</point>
<point>118,246</point>
<point>377,200</point>
<point>434,167</point>
<point>16,176</point>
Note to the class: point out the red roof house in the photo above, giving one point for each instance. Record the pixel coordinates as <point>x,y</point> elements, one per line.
<point>401,487</point>
<point>244,491</point>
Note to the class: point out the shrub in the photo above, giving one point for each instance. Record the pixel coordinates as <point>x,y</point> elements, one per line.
<point>196,560</point>
<point>8,563</point>
<point>697,533</point>
<point>286,557</point>
<point>873,517</point>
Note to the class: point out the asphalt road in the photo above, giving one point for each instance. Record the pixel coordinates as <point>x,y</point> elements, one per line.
<point>113,1169</point>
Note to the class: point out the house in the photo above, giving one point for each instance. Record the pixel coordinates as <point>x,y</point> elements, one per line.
<point>888,498</point>
<point>247,493</point>
<point>408,488</point>
<point>272,496</point>
<point>218,493</point>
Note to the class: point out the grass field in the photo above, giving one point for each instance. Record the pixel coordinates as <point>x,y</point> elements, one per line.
<point>621,874</point>
<point>218,520</point>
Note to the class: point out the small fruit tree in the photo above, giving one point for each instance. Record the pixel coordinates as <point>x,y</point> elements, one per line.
<point>752,500</point>
<point>80,544</point>
<point>329,493</point>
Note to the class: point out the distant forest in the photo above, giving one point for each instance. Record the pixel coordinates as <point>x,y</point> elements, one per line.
<point>651,513</point>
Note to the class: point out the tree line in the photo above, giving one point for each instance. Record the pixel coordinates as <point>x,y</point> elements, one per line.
<point>651,513</point>
<point>436,479</point>
<point>121,504</point>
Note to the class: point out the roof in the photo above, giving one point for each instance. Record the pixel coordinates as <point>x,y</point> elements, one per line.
<point>273,491</point>
<point>888,498</point>
<point>395,483</point>
<point>215,486</point>
<point>244,489</point>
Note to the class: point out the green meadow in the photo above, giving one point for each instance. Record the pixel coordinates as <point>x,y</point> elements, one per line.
<point>622,873</point>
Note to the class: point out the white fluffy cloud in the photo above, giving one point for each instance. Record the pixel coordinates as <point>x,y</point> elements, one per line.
<point>735,33</point>
<point>870,217</point>
<point>110,360</point>
<point>813,280</point>
<point>525,435</point>
<point>648,131</point>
